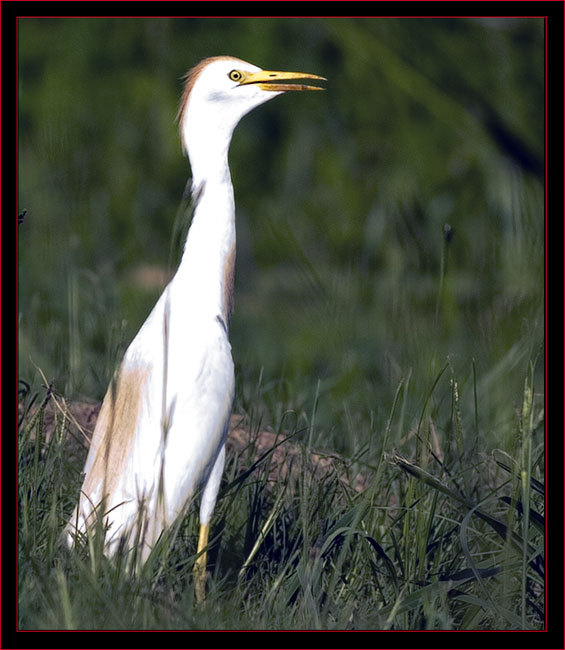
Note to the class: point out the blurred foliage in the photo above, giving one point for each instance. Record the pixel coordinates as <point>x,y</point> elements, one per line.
<point>346,284</point>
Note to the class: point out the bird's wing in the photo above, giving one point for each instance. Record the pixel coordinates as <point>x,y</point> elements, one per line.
<point>114,434</point>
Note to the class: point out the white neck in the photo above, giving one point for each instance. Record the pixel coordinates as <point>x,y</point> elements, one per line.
<point>207,265</point>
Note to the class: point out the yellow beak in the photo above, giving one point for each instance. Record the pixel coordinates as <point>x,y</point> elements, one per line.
<point>270,80</point>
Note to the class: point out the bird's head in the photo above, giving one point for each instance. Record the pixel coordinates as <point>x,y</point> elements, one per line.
<point>219,91</point>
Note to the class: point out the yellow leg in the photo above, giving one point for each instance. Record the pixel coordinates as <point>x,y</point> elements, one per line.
<point>200,564</point>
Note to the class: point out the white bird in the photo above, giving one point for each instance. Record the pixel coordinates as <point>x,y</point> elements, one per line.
<point>161,432</point>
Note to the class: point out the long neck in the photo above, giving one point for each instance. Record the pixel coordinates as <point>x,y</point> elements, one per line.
<point>207,266</point>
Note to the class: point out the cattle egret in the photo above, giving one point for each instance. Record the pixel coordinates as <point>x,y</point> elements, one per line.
<point>161,432</point>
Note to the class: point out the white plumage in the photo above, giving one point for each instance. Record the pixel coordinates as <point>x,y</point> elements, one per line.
<point>161,431</point>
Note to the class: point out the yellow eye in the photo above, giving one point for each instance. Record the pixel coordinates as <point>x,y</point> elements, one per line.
<point>235,75</point>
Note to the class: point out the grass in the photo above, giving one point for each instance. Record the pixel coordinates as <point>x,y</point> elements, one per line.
<point>449,539</point>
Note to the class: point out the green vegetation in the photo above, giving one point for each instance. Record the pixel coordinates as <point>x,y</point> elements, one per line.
<point>389,308</point>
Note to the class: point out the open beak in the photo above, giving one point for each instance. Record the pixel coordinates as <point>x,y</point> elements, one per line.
<point>271,80</point>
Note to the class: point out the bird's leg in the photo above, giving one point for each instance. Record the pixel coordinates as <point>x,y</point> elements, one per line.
<point>200,564</point>
<point>207,504</point>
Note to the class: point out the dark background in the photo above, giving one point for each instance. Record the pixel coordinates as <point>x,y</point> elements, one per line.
<point>346,284</point>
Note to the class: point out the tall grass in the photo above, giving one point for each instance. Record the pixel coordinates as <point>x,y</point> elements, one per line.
<point>451,539</point>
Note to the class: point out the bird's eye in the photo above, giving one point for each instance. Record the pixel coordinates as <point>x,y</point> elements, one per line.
<point>235,75</point>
